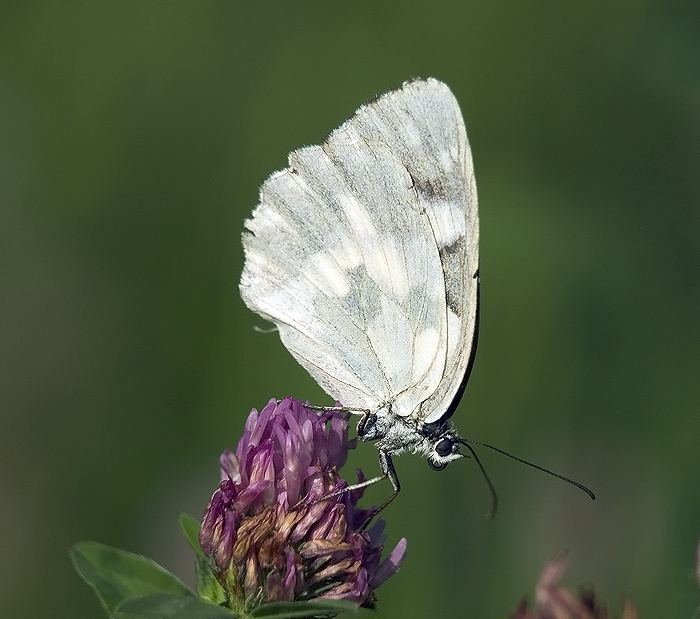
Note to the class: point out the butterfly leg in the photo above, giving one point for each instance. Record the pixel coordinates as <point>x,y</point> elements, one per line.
<point>388,471</point>
<point>342,409</point>
<point>357,486</point>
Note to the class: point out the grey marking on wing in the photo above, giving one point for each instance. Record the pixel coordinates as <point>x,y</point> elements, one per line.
<point>452,258</point>
<point>429,188</point>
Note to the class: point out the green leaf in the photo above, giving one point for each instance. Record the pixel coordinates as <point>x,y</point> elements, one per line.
<point>169,606</point>
<point>190,527</point>
<point>312,608</point>
<point>208,587</point>
<point>117,575</point>
<point>155,605</point>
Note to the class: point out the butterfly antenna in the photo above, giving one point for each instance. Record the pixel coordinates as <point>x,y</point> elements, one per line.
<point>587,490</point>
<point>489,483</point>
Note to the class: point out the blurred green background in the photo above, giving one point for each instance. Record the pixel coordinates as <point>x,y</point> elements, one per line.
<point>133,139</point>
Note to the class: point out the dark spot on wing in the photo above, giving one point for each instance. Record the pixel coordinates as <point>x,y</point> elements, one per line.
<point>456,248</point>
<point>452,302</point>
<point>452,257</point>
<point>429,187</point>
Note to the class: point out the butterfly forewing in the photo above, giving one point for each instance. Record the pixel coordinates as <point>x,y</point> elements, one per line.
<point>364,252</point>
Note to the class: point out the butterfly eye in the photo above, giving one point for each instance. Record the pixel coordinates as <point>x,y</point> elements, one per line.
<point>443,447</point>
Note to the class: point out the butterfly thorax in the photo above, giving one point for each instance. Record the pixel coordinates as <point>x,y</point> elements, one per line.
<point>394,435</point>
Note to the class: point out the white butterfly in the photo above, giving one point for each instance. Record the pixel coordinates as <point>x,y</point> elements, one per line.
<point>364,253</point>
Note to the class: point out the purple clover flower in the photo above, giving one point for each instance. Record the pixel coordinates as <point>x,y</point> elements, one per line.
<point>266,528</point>
<point>555,602</point>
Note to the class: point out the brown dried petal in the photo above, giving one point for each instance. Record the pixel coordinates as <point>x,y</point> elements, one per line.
<point>560,604</point>
<point>274,588</point>
<point>630,610</point>
<point>345,567</point>
<point>284,528</point>
<point>323,547</point>
<point>252,575</point>
<point>252,532</point>
<point>312,516</point>
<point>338,591</point>
<point>271,555</point>
<point>555,602</point>
<point>332,527</point>
<point>522,612</point>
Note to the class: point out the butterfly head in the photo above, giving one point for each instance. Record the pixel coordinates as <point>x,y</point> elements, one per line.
<point>442,446</point>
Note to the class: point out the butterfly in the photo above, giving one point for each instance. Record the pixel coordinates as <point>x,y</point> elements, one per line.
<point>364,252</point>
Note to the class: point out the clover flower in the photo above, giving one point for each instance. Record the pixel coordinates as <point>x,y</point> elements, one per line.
<point>555,602</point>
<point>268,528</point>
